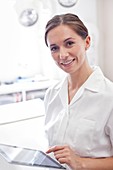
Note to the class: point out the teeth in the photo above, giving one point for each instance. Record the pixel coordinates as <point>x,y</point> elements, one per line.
<point>67,62</point>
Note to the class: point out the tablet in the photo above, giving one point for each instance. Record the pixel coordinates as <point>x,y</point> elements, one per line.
<point>28,157</point>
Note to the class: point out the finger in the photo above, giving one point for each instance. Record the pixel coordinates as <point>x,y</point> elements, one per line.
<point>54,149</point>
<point>63,160</point>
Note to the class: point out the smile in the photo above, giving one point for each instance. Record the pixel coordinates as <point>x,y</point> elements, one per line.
<point>68,62</point>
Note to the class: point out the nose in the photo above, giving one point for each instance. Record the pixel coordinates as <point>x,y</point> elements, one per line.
<point>63,54</point>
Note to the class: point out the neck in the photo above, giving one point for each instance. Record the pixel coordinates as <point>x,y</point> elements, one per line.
<point>77,79</point>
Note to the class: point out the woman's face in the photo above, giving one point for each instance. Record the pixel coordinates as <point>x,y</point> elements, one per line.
<point>68,49</point>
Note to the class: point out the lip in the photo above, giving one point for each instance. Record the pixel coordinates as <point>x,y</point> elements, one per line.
<point>67,62</point>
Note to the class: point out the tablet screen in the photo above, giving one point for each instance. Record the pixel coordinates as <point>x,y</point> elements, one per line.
<point>29,157</point>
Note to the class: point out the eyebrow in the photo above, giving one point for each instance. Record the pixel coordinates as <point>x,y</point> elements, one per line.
<point>68,39</point>
<point>52,45</point>
<point>64,41</point>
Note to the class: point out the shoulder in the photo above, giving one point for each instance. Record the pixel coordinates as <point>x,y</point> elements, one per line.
<point>108,84</point>
<point>105,84</point>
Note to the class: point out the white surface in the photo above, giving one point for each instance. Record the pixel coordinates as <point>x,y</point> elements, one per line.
<point>21,111</point>
<point>27,133</point>
<point>22,124</point>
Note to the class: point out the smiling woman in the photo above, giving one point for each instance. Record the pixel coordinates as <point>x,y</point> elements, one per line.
<point>69,52</point>
<point>63,49</point>
<point>75,106</point>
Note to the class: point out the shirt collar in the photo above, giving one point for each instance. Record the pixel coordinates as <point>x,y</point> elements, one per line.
<point>93,83</point>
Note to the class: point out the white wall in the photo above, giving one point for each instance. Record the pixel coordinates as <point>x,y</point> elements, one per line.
<point>105,25</point>
<point>108,38</point>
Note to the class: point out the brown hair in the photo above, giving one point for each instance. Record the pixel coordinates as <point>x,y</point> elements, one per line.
<point>69,19</point>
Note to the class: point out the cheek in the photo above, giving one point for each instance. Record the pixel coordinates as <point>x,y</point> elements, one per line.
<point>55,57</point>
<point>82,51</point>
<point>56,60</point>
<point>80,55</point>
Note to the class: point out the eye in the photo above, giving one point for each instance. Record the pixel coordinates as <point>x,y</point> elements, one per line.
<point>69,43</point>
<point>54,48</point>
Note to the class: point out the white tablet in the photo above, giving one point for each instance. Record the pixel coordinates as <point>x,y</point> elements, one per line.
<point>28,157</point>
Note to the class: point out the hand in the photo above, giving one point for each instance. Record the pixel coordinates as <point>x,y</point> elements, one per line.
<point>64,154</point>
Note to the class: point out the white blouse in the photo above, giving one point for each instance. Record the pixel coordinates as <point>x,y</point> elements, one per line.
<point>86,124</point>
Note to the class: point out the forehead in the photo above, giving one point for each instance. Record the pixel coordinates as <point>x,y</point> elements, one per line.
<point>61,32</point>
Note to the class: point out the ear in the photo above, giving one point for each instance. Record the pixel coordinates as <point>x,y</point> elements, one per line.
<point>87,42</point>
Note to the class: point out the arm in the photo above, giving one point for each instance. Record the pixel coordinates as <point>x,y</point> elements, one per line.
<point>64,154</point>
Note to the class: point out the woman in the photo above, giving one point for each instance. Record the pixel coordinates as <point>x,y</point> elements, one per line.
<point>79,110</point>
